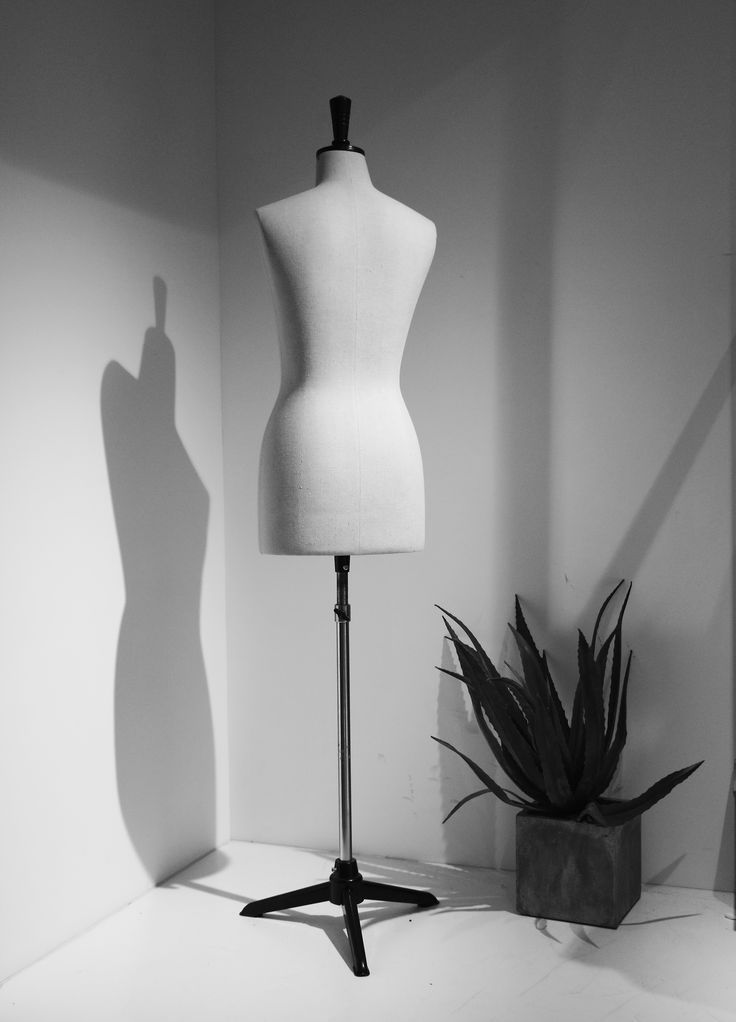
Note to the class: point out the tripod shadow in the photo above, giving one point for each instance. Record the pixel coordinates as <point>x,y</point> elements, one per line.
<point>457,889</point>
<point>334,927</point>
<point>164,745</point>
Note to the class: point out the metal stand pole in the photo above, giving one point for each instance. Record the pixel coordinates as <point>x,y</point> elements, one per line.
<point>342,627</point>
<point>345,887</point>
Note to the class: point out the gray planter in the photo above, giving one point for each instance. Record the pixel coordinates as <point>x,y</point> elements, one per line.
<point>578,872</point>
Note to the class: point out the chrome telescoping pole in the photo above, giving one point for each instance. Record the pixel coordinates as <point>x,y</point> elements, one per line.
<point>342,620</point>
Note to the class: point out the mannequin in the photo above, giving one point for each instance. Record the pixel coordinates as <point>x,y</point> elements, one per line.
<point>341,470</point>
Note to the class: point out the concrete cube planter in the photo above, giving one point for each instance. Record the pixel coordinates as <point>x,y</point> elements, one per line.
<point>578,872</point>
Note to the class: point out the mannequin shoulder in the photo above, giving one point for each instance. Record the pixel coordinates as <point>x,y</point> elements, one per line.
<point>406,220</point>
<point>289,210</point>
<point>281,210</point>
<point>298,220</point>
<point>405,214</point>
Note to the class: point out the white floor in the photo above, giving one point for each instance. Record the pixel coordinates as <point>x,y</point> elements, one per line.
<point>183,953</point>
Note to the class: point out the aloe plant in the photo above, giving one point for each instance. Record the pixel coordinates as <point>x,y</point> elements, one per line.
<point>562,767</point>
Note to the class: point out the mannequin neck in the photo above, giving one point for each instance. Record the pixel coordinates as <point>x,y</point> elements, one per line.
<point>342,165</point>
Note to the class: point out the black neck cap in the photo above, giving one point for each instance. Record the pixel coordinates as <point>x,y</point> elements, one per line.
<point>340,111</point>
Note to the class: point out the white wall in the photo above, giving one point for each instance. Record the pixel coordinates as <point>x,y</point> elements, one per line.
<point>568,372</point>
<point>112,731</point>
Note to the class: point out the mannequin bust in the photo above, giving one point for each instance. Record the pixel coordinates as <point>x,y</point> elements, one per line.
<point>341,469</point>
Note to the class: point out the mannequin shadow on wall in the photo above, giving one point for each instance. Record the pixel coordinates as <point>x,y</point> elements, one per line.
<point>164,745</point>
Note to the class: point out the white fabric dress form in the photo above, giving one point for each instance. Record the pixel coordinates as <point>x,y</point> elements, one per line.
<point>341,469</point>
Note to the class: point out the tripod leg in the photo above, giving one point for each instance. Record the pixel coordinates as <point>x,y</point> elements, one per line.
<point>291,899</point>
<point>355,935</point>
<point>388,892</point>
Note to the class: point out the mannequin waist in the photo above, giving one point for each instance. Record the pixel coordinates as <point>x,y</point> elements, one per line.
<point>313,410</point>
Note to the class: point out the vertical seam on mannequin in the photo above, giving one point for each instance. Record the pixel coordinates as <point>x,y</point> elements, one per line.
<point>356,407</point>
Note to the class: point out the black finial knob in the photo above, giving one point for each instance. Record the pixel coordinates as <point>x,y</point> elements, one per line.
<point>340,113</point>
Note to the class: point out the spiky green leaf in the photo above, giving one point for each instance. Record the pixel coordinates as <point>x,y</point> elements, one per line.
<point>485,659</point>
<point>590,685</point>
<point>614,694</point>
<point>466,799</point>
<point>507,737</point>
<point>615,746</point>
<point>602,611</point>
<point>617,812</point>
<point>495,708</point>
<point>503,793</point>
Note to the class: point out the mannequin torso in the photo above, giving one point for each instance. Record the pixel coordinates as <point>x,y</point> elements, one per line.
<point>341,469</point>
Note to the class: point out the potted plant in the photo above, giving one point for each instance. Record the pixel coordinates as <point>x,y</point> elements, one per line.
<point>578,851</point>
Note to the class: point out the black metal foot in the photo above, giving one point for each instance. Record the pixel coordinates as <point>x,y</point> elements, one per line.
<point>347,888</point>
<point>292,899</point>
<point>350,902</point>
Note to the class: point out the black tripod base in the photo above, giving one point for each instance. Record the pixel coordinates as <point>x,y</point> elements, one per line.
<point>346,887</point>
